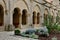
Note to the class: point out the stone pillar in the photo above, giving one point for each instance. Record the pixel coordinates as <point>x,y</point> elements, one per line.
<point>35,19</point>
<point>28,19</point>
<point>10,14</point>
<point>20,25</point>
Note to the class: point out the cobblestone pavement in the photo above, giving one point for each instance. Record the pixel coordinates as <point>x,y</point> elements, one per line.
<point>10,36</point>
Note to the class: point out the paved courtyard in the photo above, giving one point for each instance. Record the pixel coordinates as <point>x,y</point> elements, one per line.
<point>10,36</point>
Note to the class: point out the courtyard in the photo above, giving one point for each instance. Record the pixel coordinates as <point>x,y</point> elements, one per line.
<point>43,15</point>
<point>10,36</point>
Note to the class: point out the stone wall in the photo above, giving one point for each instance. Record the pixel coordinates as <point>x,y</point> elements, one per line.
<point>30,6</point>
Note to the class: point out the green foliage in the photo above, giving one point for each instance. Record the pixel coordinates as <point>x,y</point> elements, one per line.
<point>47,22</point>
<point>34,36</point>
<point>17,32</point>
<point>58,28</point>
<point>50,24</point>
<point>57,19</point>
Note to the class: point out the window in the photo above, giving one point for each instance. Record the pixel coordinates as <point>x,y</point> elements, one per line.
<point>34,17</point>
<point>38,18</point>
<point>1,15</point>
<point>24,17</point>
<point>16,17</point>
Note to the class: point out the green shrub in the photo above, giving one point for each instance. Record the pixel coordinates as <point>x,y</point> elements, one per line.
<point>50,24</point>
<point>58,28</point>
<point>34,36</point>
<point>17,32</point>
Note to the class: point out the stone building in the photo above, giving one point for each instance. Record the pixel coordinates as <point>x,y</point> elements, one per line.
<point>26,13</point>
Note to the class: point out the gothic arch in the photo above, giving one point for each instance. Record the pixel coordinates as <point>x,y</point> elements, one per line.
<point>36,8</point>
<point>22,4</point>
<point>1,15</point>
<point>37,14</point>
<point>45,15</point>
<point>46,11</point>
<point>26,4</point>
<point>52,16</point>
<point>3,3</point>
<point>16,17</point>
<point>24,17</point>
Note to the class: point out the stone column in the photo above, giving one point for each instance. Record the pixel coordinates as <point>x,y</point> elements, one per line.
<point>28,19</point>
<point>10,14</point>
<point>20,25</point>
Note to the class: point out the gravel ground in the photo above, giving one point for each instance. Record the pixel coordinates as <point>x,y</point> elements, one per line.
<point>10,36</point>
<point>50,37</point>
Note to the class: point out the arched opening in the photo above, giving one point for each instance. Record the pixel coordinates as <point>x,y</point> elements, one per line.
<point>38,18</point>
<point>26,4</point>
<point>52,17</point>
<point>24,17</point>
<point>46,16</point>
<point>46,13</point>
<point>16,17</point>
<point>34,17</point>
<point>1,15</point>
